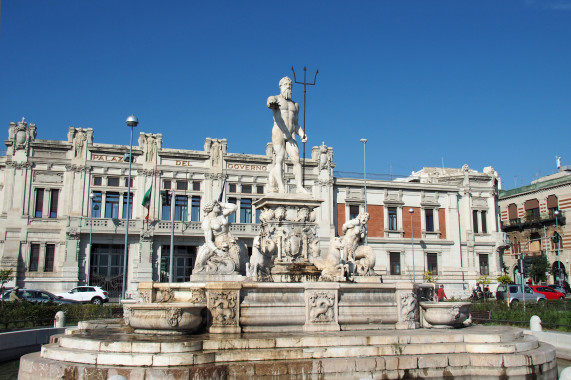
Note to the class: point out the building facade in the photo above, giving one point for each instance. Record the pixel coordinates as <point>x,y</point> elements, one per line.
<point>64,207</point>
<point>534,216</point>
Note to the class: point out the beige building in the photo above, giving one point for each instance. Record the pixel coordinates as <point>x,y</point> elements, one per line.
<point>534,216</point>
<point>64,207</point>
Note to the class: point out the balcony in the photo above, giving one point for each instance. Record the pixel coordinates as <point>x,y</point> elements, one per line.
<point>161,227</point>
<point>532,220</point>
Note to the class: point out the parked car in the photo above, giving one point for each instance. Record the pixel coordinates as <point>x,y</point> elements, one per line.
<point>549,293</point>
<point>516,294</point>
<point>86,294</point>
<point>34,295</point>
<point>559,288</point>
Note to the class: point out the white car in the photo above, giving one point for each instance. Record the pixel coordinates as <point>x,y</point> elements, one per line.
<point>86,294</point>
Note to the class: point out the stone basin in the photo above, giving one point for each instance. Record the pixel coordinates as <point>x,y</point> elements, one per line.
<point>445,315</point>
<point>163,318</point>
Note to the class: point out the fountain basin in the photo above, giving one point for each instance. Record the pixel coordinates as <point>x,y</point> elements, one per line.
<point>163,318</point>
<point>445,315</point>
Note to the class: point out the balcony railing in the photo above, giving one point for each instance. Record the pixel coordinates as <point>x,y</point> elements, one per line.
<point>115,226</point>
<point>545,218</point>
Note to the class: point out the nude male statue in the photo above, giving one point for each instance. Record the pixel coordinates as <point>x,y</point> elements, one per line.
<point>286,126</point>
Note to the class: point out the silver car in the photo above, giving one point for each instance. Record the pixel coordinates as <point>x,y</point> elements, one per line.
<point>516,294</point>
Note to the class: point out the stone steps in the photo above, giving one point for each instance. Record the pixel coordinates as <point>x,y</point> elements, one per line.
<point>474,352</point>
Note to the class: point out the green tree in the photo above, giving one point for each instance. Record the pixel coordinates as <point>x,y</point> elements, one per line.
<point>506,280</point>
<point>539,268</point>
<point>5,276</point>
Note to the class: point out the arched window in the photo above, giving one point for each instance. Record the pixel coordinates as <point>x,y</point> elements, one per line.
<point>535,242</point>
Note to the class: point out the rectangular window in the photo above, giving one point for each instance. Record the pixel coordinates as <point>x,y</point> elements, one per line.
<point>34,257</point>
<point>96,205</point>
<point>475,220</point>
<point>232,217</point>
<point>180,207</point>
<point>167,184</point>
<point>195,209</point>
<point>484,224</point>
<point>196,185</point>
<point>260,189</point>
<point>127,182</point>
<point>54,203</point>
<point>39,203</point>
<point>429,219</point>
<point>112,181</point>
<point>247,189</point>
<point>184,257</point>
<point>112,205</point>
<point>432,263</point>
<point>484,267</point>
<point>245,210</point>
<point>181,185</point>
<point>97,181</point>
<point>49,259</point>
<point>353,212</point>
<point>395,263</point>
<point>166,211</point>
<point>258,213</point>
<point>232,188</point>
<point>127,206</point>
<point>392,218</point>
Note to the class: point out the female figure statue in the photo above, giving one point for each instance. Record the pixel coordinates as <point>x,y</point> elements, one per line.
<point>221,253</point>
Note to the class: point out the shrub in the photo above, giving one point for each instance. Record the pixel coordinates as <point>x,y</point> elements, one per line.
<point>26,314</point>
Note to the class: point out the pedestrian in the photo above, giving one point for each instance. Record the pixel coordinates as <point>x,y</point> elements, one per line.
<point>441,294</point>
<point>14,296</point>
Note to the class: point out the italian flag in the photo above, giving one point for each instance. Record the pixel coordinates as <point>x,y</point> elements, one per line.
<point>147,201</point>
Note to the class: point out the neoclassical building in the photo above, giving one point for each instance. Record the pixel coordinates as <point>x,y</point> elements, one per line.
<point>534,216</point>
<point>64,207</point>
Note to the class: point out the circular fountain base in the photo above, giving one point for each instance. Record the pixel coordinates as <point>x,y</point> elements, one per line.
<point>104,349</point>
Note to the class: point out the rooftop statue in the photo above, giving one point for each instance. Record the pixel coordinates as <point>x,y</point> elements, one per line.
<point>286,126</point>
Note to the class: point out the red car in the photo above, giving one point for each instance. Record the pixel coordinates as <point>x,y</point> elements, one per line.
<point>549,293</point>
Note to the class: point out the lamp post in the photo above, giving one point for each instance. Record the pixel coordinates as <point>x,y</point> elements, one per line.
<point>88,258</point>
<point>364,141</point>
<point>557,213</point>
<point>411,211</point>
<point>132,122</point>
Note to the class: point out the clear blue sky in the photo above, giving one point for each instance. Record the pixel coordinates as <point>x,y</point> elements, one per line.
<point>484,82</point>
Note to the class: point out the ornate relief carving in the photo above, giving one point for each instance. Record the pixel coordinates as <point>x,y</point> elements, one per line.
<point>223,306</point>
<point>174,316</point>
<point>73,233</point>
<point>408,307</point>
<point>127,314</point>
<point>165,295</point>
<point>21,135</point>
<point>321,307</point>
<point>144,297</point>
<point>197,295</point>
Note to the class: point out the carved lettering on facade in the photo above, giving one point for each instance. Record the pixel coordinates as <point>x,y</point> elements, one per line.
<point>249,167</point>
<point>183,163</point>
<point>104,157</point>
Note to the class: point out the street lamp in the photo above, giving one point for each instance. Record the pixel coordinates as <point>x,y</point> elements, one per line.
<point>364,141</point>
<point>132,122</point>
<point>411,211</point>
<point>88,259</point>
<point>557,213</point>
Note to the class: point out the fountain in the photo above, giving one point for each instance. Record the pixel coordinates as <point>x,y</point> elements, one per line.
<point>291,310</point>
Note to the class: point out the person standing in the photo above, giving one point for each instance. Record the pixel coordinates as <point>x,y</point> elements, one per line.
<point>441,294</point>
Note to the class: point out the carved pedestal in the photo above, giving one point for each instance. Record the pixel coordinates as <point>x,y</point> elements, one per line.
<point>321,307</point>
<point>223,300</point>
<point>289,227</point>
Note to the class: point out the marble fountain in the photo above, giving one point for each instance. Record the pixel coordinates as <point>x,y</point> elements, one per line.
<point>290,311</point>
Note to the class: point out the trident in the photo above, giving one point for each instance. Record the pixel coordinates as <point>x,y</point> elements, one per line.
<point>305,84</point>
